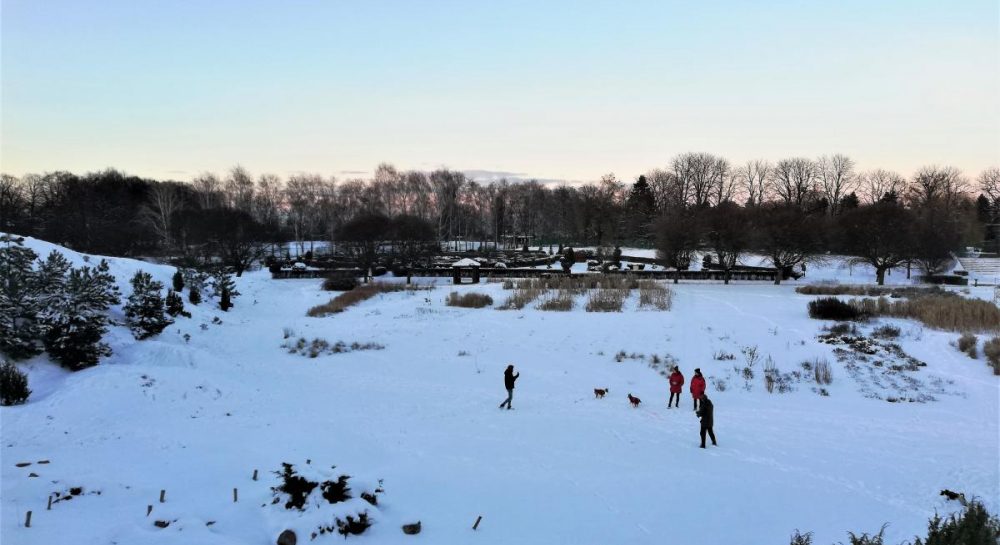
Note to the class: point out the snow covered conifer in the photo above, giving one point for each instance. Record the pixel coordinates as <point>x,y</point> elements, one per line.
<point>13,385</point>
<point>225,288</point>
<point>144,309</point>
<point>76,320</point>
<point>225,300</point>
<point>174,303</point>
<point>19,305</point>
<point>178,281</point>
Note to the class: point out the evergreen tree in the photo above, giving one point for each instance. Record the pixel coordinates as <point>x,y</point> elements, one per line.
<point>13,385</point>
<point>174,303</point>
<point>225,302</point>
<point>75,321</point>
<point>194,295</point>
<point>19,304</point>
<point>144,309</point>
<point>224,287</point>
<point>568,259</point>
<point>178,281</point>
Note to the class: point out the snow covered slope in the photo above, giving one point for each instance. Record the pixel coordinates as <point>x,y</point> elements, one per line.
<point>196,418</point>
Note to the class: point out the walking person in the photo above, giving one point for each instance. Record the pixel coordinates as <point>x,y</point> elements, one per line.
<point>676,386</point>
<point>706,413</point>
<point>508,381</point>
<point>697,387</point>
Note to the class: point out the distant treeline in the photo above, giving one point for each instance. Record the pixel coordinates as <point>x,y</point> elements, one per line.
<point>112,213</point>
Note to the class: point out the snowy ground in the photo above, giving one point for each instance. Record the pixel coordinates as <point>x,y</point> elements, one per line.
<point>197,417</point>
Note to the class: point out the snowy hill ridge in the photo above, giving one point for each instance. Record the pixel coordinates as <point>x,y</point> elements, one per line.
<point>195,410</point>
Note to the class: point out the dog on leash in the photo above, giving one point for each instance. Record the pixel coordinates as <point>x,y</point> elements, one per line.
<point>634,400</point>
<point>600,392</point>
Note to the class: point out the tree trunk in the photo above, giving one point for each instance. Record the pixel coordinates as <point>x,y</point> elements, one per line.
<point>880,275</point>
<point>726,277</point>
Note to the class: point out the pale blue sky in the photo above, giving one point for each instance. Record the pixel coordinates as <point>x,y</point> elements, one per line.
<point>556,90</point>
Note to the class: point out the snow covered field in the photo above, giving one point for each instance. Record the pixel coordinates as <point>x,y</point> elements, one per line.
<point>196,417</point>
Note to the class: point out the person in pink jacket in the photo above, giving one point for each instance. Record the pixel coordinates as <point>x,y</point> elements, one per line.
<point>676,386</point>
<point>697,387</point>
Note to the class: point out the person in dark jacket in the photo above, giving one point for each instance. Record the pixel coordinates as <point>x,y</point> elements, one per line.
<point>508,381</point>
<point>706,413</point>
<point>697,387</point>
<point>676,385</point>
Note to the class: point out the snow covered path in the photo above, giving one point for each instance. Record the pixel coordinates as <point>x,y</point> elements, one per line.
<point>196,418</point>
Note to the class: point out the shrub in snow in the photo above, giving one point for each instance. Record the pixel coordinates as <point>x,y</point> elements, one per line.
<point>801,539</point>
<point>865,539</point>
<point>831,308</point>
<point>974,526</point>
<point>194,279</point>
<point>886,332</point>
<point>178,281</point>
<point>991,349</point>
<point>468,300</point>
<point>194,295</point>
<point>144,310</point>
<point>75,321</point>
<point>225,299</point>
<point>339,283</point>
<point>324,500</point>
<point>13,385</point>
<point>842,328</point>
<point>19,301</point>
<point>822,372</point>
<point>175,305</point>
<point>968,343</point>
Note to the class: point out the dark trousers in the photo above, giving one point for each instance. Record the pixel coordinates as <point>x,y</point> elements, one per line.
<point>510,396</point>
<point>675,399</point>
<point>707,429</point>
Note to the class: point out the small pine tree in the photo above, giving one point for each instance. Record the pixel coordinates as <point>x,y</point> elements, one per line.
<point>75,321</point>
<point>13,385</point>
<point>568,259</point>
<point>174,303</point>
<point>225,302</point>
<point>19,304</point>
<point>178,281</point>
<point>975,526</point>
<point>194,295</point>
<point>144,309</point>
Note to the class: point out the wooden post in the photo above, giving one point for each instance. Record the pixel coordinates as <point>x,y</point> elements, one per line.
<point>163,494</point>
<point>27,520</point>
<point>255,474</point>
<point>149,509</point>
<point>49,508</point>
<point>476,525</point>
<point>235,496</point>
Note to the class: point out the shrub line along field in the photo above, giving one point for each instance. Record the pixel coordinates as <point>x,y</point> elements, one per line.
<point>826,430</point>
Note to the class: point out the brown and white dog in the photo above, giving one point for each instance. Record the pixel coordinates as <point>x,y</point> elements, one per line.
<point>600,392</point>
<point>634,400</point>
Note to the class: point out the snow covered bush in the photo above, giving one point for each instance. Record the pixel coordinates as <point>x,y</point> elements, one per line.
<point>799,538</point>
<point>175,305</point>
<point>144,310</point>
<point>968,343</point>
<point>831,308</point>
<point>974,526</point>
<point>13,385</point>
<point>325,500</point>
<point>468,300</point>
<point>887,332</point>
<point>178,281</point>
<point>75,320</point>
<point>194,295</point>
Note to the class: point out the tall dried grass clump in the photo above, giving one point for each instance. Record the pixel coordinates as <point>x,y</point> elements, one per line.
<point>360,293</point>
<point>468,300</point>
<point>521,297</point>
<point>822,372</point>
<point>654,294</point>
<point>562,301</point>
<point>863,290</point>
<point>607,300</point>
<point>968,343</point>
<point>941,312</point>
<point>991,349</point>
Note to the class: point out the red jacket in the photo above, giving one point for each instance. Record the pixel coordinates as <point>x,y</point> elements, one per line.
<point>697,386</point>
<point>676,382</point>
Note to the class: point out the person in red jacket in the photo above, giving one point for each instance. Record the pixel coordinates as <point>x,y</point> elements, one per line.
<point>676,386</point>
<point>697,387</point>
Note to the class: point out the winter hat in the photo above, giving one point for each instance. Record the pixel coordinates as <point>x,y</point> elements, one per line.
<point>697,370</point>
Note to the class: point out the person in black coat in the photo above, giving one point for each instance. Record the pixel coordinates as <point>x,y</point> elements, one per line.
<point>707,414</point>
<point>508,381</point>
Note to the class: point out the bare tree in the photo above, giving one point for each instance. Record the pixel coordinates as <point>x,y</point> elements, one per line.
<point>936,184</point>
<point>989,183</point>
<point>837,179</point>
<point>697,176</point>
<point>239,189</point>
<point>877,184</point>
<point>164,202</point>
<point>209,190</point>
<point>753,180</point>
<point>793,180</point>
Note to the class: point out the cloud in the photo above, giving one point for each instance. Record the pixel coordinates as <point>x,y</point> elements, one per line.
<point>482,175</point>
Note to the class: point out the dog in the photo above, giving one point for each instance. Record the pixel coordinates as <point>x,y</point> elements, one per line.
<point>955,496</point>
<point>600,392</point>
<point>634,400</point>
